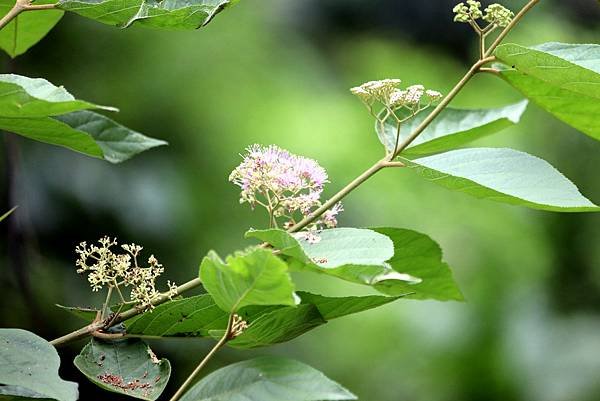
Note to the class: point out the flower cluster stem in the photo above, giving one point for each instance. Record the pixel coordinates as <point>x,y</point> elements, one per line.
<point>106,305</point>
<point>381,164</point>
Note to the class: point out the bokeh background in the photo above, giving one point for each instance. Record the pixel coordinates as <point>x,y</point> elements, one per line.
<point>278,71</point>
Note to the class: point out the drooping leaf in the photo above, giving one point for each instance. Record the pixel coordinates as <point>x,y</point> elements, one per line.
<point>126,367</point>
<point>193,316</point>
<point>36,109</point>
<point>451,129</point>
<point>27,28</point>
<point>267,379</point>
<point>5,215</point>
<point>85,132</point>
<point>574,67</point>
<point>22,97</point>
<point>577,110</point>
<point>254,278</point>
<point>420,256</point>
<point>355,255</point>
<point>29,368</point>
<point>87,314</point>
<point>336,307</point>
<point>504,175</point>
<point>268,327</point>
<point>563,79</point>
<point>167,14</point>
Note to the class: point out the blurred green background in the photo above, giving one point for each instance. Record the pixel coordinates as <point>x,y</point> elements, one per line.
<point>278,71</point>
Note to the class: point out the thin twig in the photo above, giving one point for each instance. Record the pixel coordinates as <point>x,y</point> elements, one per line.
<point>394,164</point>
<point>12,14</point>
<point>19,7</point>
<point>226,337</point>
<point>489,70</point>
<point>38,7</point>
<point>128,314</point>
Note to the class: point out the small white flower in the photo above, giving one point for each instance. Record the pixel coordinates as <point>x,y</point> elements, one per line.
<point>414,94</point>
<point>433,95</point>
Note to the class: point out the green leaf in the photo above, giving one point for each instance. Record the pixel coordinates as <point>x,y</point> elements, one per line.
<point>193,316</point>
<point>87,314</point>
<point>344,246</point>
<point>418,255</point>
<point>5,215</point>
<point>563,79</point>
<point>451,129</point>
<point>168,14</point>
<point>577,110</point>
<point>27,28</point>
<point>330,248</point>
<point>36,109</point>
<point>35,97</point>
<point>575,67</point>
<point>336,307</point>
<point>279,325</point>
<point>351,254</point>
<point>29,368</point>
<point>254,278</point>
<point>85,132</point>
<point>267,379</point>
<point>504,175</point>
<point>268,327</point>
<point>126,367</point>
<point>199,316</point>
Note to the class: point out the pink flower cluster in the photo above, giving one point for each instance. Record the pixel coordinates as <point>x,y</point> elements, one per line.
<point>285,184</point>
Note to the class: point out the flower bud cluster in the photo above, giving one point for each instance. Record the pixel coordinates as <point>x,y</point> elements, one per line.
<point>466,12</point>
<point>238,325</point>
<point>387,93</point>
<point>106,268</point>
<point>494,14</point>
<point>285,184</point>
<point>498,15</point>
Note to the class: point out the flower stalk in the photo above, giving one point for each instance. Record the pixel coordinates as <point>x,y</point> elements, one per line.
<point>235,326</point>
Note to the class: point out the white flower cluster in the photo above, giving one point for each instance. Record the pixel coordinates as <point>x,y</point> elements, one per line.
<point>105,268</point>
<point>494,14</point>
<point>387,93</point>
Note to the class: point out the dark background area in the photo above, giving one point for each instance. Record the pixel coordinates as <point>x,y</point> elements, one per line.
<point>278,71</point>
